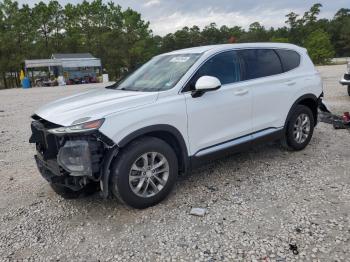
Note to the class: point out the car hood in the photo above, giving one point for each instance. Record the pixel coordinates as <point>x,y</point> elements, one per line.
<point>92,105</point>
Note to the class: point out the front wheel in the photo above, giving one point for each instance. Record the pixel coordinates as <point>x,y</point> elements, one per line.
<point>144,173</point>
<point>299,129</point>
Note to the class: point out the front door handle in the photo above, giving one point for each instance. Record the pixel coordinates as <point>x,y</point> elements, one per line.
<point>241,92</point>
<point>291,83</point>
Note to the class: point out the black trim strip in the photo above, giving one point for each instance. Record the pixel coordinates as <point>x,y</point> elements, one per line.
<point>197,161</point>
<point>241,137</point>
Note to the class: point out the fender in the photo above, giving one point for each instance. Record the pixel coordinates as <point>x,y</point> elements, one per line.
<point>112,152</point>
<point>105,170</point>
<point>153,129</point>
<point>307,96</point>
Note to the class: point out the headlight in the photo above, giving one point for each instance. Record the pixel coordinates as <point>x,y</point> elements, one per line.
<point>84,127</point>
<point>75,157</point>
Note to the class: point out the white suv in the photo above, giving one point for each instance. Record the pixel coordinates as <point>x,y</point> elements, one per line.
<point>133,138</point>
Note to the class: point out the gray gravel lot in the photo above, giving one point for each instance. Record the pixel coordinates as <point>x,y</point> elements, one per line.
<point>257,203</point>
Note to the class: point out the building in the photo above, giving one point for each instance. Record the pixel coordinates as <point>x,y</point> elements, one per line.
<point>67,69</point>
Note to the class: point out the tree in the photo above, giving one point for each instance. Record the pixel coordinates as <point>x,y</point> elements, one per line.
<point>212,35</point>
<point>256,33</point>
<point>301,27</point>
<point>123,40</point>
<point>311,15</point>
<point>339,28</point>
<point>48,21</point>
<point>319,47</point>
<point>279,40</point>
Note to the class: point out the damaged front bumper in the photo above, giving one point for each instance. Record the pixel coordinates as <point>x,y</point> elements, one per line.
<point>69,160</point>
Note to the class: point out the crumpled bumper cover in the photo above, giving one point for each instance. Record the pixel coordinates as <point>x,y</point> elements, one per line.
<point>54,177</point>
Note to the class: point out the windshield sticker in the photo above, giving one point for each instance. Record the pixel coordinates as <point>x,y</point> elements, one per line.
<point>179,59</point>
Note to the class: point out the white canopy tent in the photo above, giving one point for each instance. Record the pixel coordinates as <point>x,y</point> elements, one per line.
<point>41,63</point>
<point>67,66</point>
<point>64,61</point>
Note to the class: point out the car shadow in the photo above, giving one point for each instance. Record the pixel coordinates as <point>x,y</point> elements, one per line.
<point>201,176</point>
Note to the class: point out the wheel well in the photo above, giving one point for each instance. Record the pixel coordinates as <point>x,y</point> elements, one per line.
<point>312,104</point>
<point>171,139</point>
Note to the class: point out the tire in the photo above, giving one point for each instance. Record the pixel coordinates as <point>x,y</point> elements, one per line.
<point>349,90</point>
<point>292,141</point>
<point>68,193</point>
<point>130,170</point>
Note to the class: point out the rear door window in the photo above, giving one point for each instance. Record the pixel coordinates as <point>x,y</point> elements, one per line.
<point>260,63</point>
<point>290,59</point>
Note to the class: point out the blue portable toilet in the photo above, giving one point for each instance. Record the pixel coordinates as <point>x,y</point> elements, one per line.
<point>26,82</point>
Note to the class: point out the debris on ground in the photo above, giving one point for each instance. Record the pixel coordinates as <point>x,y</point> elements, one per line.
<point>212,188</point>
<point>338,122</point>
<point>200,212</point>
<point>294,249</point>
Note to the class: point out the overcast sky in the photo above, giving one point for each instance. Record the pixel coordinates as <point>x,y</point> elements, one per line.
<point>166,16</point>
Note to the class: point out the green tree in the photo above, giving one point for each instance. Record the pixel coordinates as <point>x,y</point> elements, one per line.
<point>256,33</point>
<point>279,39</point>
<point>299,27</point>
<point>212,35</point>
<point>339,29</point>
<point>48,21</point>
<point>311,15</point>
<point>319,47</point>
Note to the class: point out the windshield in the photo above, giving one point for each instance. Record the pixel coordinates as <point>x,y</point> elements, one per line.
<point>159,74</point>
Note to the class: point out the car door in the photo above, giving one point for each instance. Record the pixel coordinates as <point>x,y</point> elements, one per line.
<point>219,116</point>
<point>271,91</point>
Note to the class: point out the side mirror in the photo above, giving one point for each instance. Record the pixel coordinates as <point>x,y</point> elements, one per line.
<point>206,84</point>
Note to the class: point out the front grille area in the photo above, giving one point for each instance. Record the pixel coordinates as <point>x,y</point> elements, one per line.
<point>47,144</point>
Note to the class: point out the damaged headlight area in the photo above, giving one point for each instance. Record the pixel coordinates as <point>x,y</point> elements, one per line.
<point>75,158</point>
<point>69,159</point>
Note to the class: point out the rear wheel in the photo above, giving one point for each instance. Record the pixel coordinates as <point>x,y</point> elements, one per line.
<point>299,129</point>
<point>144,173</point>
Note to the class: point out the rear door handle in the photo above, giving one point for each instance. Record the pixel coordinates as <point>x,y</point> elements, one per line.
<point>241,92</point>
<point>291,83</point>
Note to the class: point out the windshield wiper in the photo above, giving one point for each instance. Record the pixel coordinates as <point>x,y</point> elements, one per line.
<point>113,86</point>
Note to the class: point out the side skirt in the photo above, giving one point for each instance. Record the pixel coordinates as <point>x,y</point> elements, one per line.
<point>234,146</point>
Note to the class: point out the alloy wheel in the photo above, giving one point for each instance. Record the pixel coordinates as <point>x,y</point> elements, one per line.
<point>301,130</point>
<point>149,174</point>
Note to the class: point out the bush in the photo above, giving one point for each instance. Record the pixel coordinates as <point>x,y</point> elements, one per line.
<point>319,47</point>
<point>279,40</point>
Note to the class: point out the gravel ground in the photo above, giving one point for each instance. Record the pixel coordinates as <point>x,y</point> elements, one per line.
<point>257,203</point>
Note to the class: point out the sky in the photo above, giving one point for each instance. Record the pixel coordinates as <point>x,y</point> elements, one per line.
<point>167,16</point>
